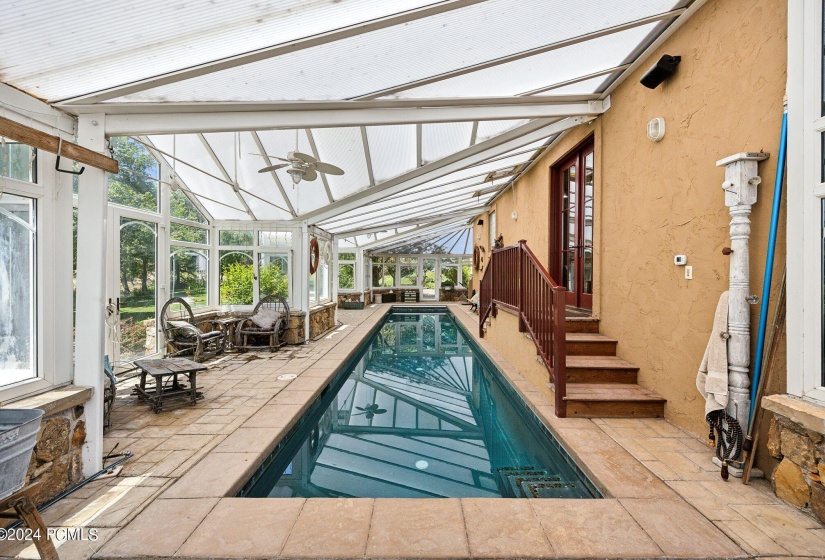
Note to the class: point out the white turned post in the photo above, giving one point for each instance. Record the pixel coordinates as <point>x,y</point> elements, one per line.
<point>740,184</point>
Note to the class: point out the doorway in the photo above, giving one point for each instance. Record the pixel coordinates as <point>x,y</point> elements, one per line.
<point>572,190</point>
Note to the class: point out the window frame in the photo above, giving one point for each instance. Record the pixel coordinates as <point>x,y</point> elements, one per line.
<point>806,193</point>
<point>53,277</point>
<point>347,262</point>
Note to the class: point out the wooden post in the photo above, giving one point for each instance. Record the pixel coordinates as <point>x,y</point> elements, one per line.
<point>560,349</point>
<point>740,184</point>
<point>522,285</point>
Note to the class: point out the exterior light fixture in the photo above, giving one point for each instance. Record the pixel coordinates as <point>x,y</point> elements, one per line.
<point>661,71</point>
<point>656,129</point>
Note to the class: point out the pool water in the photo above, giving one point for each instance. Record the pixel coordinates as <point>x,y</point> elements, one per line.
<point>421,414</point>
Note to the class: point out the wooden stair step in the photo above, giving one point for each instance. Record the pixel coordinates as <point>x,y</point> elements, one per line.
<point>581,325</point>
<point>590,344</point>
<point>612,400</point>
<point>600,369</point>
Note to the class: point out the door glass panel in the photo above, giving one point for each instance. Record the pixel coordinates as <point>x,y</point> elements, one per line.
<point>428,280</point>
<point>273,272</point>
<point>138,259</point>
<point>587,241</point>
<point>568,206</point>
<point>188,275</point>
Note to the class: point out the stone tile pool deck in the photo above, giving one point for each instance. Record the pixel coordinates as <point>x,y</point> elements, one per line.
<point>663,496</point>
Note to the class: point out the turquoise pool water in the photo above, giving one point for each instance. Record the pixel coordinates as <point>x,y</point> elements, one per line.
<point>420,413</point>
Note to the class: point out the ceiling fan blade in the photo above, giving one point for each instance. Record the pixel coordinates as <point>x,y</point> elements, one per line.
<point>306,158</point>
<point>328,168</point>
<point>269,156</point>
<point>310,174</point>
<point>272,167</point>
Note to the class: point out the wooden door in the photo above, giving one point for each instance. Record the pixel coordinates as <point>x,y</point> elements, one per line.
<point>572,225</point>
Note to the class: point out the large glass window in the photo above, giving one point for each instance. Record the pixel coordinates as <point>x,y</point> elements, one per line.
<point>189,234</point>
<point>492,229</point>
<point>280,239</point>
<point>138,182</point>
<point>409,271</point>
<point>18,272</point>
<point>466,273</point>
<point>18,161</point>
<point>181,207</point>
<point>236,277</point>
<point>383,272</point>
<point>189,273</point>
<point>230,237</point>
<point>449,272</point>
<point>273,270</point>
<point>346,271</point>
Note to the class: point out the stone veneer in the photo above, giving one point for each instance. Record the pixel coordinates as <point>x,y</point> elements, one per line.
<point>453,294</point>
<point>797,439</point>
<point>321,319</point>
<point>57,460</point>
<point>354,296</point>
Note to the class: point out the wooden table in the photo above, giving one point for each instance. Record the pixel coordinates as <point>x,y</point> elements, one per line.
<point>23,505</point>
<point>165,373</point>
<point>228,324</point>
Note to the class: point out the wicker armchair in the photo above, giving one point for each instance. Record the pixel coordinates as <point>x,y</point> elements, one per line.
<point>183,335</point>
<point>247,333</point>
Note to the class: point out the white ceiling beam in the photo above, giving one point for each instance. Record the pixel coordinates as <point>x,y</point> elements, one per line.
<point>419,158</point>
<point>154,107</point>
<point>654,46</point>
<point>269,52</point>
<point>268,162</point>
<point>414,221</point>
<point>314,149</point>
<point>188,123</point>
<point>474,133</point>
<point>520,55</point>
<point>222,169</point>
<point>494,147</point>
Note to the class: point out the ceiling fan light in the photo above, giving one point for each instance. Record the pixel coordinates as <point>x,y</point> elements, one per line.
<point>296,174</point>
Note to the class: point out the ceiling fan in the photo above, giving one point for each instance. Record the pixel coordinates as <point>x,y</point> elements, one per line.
<point>301,166</point>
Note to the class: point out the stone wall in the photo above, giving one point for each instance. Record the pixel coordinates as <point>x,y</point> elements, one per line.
<point>295,331</point>
<point>354,296</point>
<point>798,478</point>
<point>321,319</point>
<point>454,294</point>
<point>57,459</point>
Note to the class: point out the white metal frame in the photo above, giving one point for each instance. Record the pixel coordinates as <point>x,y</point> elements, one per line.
<point>806,193</point>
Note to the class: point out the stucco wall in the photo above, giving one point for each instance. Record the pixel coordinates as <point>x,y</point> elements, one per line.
<point>656,200</point>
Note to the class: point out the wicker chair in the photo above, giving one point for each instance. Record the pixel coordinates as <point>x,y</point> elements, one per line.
<point>183,335</point>
<point>247,329</point>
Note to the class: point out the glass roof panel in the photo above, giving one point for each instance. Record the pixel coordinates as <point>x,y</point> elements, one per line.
<point>587,86</point>
<point>221,201</point>
<point>488,129</point>
<point>57,49</point>
<point>540,70</point>
<point>387,58</point>
<point>439,140</point>
<point>392,150</point>
<point>343,147</point>
<point>279,143</point>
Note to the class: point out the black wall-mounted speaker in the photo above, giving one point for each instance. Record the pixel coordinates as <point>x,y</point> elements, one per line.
<point>480,223</point>
<point>661,71</point>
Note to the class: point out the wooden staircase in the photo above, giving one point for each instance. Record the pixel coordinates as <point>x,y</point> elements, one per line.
<point>599,383</point>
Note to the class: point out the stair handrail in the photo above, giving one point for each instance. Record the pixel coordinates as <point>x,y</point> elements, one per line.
<point>539,303</point>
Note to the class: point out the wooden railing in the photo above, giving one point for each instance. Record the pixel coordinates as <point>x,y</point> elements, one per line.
<point>517,281</point>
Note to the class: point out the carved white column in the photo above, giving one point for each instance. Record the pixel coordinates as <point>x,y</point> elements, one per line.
<point>741,181</point>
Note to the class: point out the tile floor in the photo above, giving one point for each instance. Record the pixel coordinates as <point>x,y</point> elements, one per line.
<point>665,498</point>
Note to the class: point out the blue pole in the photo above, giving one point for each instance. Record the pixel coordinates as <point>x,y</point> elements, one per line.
<point>766,286</point>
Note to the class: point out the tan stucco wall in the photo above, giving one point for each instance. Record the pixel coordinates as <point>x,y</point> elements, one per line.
<point>656,200</point>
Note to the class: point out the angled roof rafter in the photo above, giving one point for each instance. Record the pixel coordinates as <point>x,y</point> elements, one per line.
<point>412,221</point>
<point>233,182</point>
<point>268,162</point>
<point>422,230</point>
